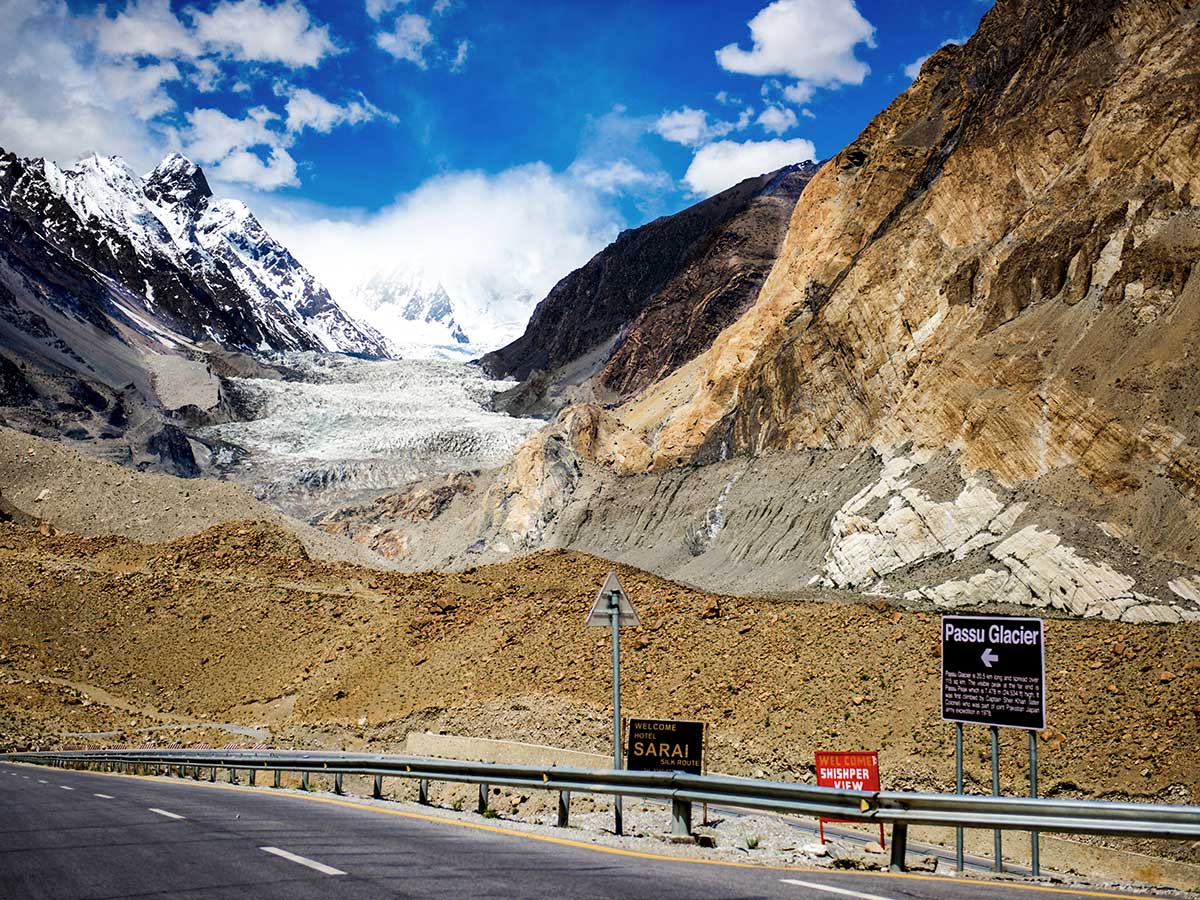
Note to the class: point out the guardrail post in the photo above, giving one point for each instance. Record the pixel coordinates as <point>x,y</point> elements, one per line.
<point>423,792</point>
<point>996,834</point>
<point>377,789</point>
<point>337,783</point>
<point>212,775</point>
<point>483,799</point>
<point>278,774</point>
<point>250,772</point>
<point>681,817</point>
<point>304,781</point>
<point>564,809</point>
<point>899,846</point>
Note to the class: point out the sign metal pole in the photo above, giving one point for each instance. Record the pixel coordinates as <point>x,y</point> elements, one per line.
<point>612,609</point>
<point>1033,835</point>
<point>614,612</point>
<point>999,866</point>
<point>958,789</point>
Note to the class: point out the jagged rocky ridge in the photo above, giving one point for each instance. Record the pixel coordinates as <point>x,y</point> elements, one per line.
<point>970,378</point>
<point>122,299</point>
<point>651,300</point>
<point>201,266</point>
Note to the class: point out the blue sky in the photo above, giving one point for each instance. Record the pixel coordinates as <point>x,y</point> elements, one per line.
<point>358,121</point>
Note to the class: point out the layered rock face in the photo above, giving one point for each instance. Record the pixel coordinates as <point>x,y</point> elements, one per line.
<point>971,373</point>
<point>1000,263</point>
<point>652,299</point>
<point>1003,265</point>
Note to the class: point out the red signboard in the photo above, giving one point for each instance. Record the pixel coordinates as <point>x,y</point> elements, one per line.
<point>849,770</point>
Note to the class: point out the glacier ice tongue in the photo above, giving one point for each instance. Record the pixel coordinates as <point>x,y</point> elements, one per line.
<point>354,428</point>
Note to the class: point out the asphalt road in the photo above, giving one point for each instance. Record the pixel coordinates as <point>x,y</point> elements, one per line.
<point>85,836</point>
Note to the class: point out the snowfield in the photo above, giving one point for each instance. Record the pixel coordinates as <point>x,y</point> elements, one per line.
<point>355,428</point>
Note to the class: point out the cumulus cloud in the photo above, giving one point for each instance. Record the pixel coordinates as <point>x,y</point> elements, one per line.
<point>251,30</point>
<point>253,149</point>
<point>377,8</point>
<point>60,102</point>
<point>205,75</point>
<point>250,150</point>
<point>306,109</point>
<point>690,127</point>
<point>409,38</point>
<point>913,69</point>
<point>244,167</point>
<point>799,93</point>
<point>724,163</point>
<point>98,82</point>
<point>145,28</point>
<point>618,176</point>
<point>496,242</point>
<point>776,119</point>
<point>813,41</point>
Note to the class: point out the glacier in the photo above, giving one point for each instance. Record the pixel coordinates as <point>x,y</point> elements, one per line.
<point>351,429</point>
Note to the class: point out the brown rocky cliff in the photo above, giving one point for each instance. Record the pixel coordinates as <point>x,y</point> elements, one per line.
<point>1001,265</point>
<point>654,298</point>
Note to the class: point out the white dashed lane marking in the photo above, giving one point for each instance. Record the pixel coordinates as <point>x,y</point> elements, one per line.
<point>65,788</point>
<point>303,860</point>
<point>163,812</point>
<point>103,796</point>
<point>841,892</point>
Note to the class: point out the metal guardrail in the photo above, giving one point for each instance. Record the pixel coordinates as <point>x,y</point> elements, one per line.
<point>897,808</point>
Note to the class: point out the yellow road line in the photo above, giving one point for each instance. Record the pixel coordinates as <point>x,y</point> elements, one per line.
<point>618,851</point>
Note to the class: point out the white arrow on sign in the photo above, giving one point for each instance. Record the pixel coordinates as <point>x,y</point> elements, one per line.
<point>989,657</point>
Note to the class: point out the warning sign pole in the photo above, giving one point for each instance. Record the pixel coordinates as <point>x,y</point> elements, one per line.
<point>612,609</point>
<point>614,612</point>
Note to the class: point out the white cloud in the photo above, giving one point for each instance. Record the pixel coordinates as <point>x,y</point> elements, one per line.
<point>211,134</point>
<point>725,163</point>
<point>234,149</point>
<point>408,39</point>
<point>377,8</point>
<point>498,243</point>
<point>306,109</point>
<point>140,88</point>
<point>690,127</point>
<point>59,101</point>
<point>813,41</point>
<point>460,55</point>
<point>618,176</point>
<point>98,82</point>
<point>244,167</point>
<point>777,119</point>
<point>913,69</point>
<point>799,93</point>
<point>251,30</point>
<point>145,28</point>
<point>206,75</point>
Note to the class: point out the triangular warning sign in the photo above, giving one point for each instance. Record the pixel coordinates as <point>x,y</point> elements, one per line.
<point>601,611</point>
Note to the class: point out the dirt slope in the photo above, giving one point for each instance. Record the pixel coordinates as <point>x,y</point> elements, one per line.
<point>238,625</point>
<point>77,492</point>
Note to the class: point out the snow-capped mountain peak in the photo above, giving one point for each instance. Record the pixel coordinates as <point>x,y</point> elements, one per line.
<point>414,310</point>
<point>177,181</point>
<point>222,276</point>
